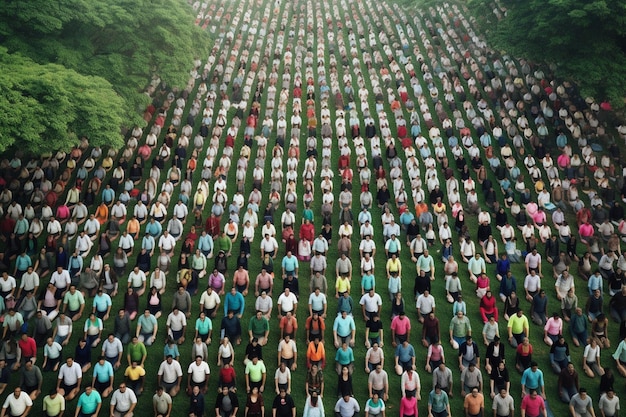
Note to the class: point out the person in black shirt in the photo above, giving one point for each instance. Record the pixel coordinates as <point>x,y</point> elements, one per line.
<point>254,349</point>
<point>196,403</point>
<point>283,405</point>
<point>227,403</point>
<point>499,379</point>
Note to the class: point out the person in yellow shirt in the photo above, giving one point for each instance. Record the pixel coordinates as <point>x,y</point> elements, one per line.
<point>135,377</point>
<point>342,285</point>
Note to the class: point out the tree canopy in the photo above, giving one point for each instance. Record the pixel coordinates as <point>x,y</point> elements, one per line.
<point>586,39</point>
<point>102,53</point>
<point>46,106</point>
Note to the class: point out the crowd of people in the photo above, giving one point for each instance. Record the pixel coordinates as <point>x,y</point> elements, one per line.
<point>167,202</point>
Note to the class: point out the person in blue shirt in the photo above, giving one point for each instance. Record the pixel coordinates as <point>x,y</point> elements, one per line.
<point>532,379</point>
<point>234,301</point>
<point>290,265</point>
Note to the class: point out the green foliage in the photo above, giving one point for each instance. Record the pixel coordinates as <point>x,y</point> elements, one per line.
<point>47,107</point>
<point>584,38</point>
<point>125,43</point>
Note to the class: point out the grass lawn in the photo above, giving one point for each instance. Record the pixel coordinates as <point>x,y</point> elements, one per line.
<point>329,24</point>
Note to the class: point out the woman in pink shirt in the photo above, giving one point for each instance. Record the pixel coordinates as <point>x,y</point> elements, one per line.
<point>408,406</point>
<point>586,231</point>
<point>553,329</point>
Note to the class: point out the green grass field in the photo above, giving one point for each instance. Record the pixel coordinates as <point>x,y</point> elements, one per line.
<point>330,18</point>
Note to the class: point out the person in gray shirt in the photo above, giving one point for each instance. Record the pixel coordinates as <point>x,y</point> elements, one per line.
<point>581,405</point>
<point>503,404</point>
<point>31,380</point>
<point>609,404</point>
<point>471,377</point>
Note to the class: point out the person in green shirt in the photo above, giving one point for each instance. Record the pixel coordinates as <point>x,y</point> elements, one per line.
<point>136,352</point>
<point>259,327</point>
<point>518,328</point>
<point>53,404</point>
<point>460,327</point>
<point>73,303</point>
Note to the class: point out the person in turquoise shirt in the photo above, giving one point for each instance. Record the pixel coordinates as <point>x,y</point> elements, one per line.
<point>204,327</point>
<point>21,226</point>
<point>171,348</point>
<point>234,301</point>
<point>154,228</point>
<point>532,378</point>
<point>290,265</point>
<point>89,403</point>
<point>307,214</point>
<point>344,357</point>
<point>22,262</point>
<point>147,328</point>
<point>368,282</point>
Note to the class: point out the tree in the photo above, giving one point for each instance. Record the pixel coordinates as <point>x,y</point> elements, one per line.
<point>125,43</point>
<point>585,38</point>
<point>47,107</point>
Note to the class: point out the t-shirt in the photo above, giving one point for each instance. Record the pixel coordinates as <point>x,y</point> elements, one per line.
<point>255,372</point>
<point>89,403</point>
<point>17,406</point>
<point>54,406</point>
<point>503,406</point>
<point>134,374</point>
<point>162,402</point>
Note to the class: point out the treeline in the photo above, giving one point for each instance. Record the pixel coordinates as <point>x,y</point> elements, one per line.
<point>585,40</point>
<point>73,68</point>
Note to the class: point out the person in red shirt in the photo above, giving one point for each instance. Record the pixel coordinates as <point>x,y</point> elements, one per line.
<point>488,307</point>
<point>227,377</point>
<point>29,348</point>
<point>533,405</point>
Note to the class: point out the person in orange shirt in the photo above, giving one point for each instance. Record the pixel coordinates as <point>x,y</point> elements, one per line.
<point>474,404</point>
<point>102,213</point>
<point>316,354</point>
<point>133,227</point>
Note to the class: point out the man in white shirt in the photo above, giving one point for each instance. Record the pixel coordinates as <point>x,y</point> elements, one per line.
<point>176,325</point>
<point>180,211</point>
<point>123,402</point>
<point>118,211</point>
<point>141,212</point>
<point>287,301</point>
<point>92,227</point>
<point>167,243</point>
<point>371,304</point>
<point>127,243</point>
<point>198,375</point>
<point>169,375</point>
<point>69,379</point>
<point>269,246</point>
<point>17,404</point>
<point>61,280</point>
<point>54,227</point>
<point>80,212</point>
<point>425,304</point>
<point>137,280</point>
